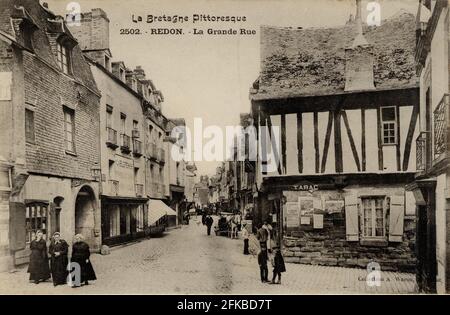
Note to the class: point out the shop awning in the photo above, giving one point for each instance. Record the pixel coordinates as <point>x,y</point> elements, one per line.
<point>157,209</point>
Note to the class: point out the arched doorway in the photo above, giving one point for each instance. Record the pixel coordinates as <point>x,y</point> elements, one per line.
<point>85,206</point>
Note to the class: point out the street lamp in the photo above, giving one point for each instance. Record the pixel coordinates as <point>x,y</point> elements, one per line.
<point>96,172</point>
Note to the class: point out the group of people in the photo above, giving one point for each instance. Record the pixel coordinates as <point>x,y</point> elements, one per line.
<point>59,268</point>
<point>268,253</point>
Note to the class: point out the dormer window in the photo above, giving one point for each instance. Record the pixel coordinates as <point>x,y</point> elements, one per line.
<point>63,58</point>
<point>27,30</point>
<point>122,74</point>
<point>107,63</point>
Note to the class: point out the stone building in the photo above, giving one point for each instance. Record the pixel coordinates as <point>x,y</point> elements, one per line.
<point>431,186</point>
<point>49,113</point>
<point>176,170</point>
<point>190,179</point>
<point>135,165</point>
<point>122,123</point>
<point>345,101</point>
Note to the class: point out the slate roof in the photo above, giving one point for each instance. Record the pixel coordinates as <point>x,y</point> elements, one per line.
<point>309,62</point>
<point>41,40</point>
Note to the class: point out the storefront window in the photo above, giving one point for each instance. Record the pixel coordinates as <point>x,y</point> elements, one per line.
<point>35,219</point>
<point>140,219</point>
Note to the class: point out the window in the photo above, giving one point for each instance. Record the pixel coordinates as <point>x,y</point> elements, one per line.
<point>389,125</point>
<point>27,31</point>
<point>374,213</point>
<point>35,219</point>
<point>63,57</point>
<point>69,129</point>
<point>151,136</point>
<point>136,175</point>
<point>123,119</point>
<point>109,111</point>
<point>29,126</point>
<point>140,219</point>
<point>111,169</point>
<point>107,63</point>
<point>122,74</point>
<point>135,125</point>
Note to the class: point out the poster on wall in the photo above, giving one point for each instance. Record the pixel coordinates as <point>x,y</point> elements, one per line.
<point>306,205</point>
<point>334,206</point>
<point>318,221</point>
<point>305,220</point>
<point>292,214</point>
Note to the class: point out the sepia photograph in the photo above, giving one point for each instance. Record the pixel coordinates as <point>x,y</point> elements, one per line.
<point>224,147</point>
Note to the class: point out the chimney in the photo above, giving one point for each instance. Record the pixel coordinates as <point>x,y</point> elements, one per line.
<point>93,33</point>
<point>359,59</point>
<point>139,72</point>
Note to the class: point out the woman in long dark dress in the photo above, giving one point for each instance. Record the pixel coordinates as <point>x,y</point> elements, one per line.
<point>58,259</point>
<point>80,255</point>
<point>38,267</point>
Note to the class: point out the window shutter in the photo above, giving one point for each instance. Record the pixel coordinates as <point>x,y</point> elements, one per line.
<point>396,218</point>
<point>17,221</point>
<point>351,219</point>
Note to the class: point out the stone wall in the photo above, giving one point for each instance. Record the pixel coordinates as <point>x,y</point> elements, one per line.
<point>329,247</point>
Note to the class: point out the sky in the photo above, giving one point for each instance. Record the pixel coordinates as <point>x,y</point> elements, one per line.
<point>210,76</point>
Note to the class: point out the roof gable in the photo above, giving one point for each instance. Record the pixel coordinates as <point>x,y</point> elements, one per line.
<point>297,62</point>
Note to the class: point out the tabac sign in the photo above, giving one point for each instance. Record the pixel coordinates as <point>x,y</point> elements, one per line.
<point>305,187</point>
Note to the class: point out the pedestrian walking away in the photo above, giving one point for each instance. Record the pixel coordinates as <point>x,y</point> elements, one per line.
<point>209,222</point>
<point>278,265</point>
<point>58,259</point>
<point>262,261</point>
<point>245,236</point>
<point>38,268</point>
<point>81,255</point>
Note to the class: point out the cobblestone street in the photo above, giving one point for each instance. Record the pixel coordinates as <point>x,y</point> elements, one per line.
<point>187,261</point>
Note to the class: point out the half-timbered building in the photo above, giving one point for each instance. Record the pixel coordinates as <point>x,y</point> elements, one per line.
<point>345,100</point>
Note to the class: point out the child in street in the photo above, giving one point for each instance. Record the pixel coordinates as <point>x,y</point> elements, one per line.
<point>262,261</point>
<point>278,265</point>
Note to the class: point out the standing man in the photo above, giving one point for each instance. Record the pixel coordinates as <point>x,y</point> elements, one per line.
<point>209,222</point>
<point>262,236</point>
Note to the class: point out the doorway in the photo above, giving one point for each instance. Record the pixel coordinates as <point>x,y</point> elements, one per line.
<point>85,206</point>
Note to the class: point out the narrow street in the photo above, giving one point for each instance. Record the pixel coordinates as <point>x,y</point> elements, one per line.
<point>187,261</point>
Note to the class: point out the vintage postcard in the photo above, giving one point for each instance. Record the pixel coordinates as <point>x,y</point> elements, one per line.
<point>224,147</point>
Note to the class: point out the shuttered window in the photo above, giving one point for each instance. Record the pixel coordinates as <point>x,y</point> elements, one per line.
<point>69,129</point>
<point>374,217</point>
<point>63,58</point>
<point>29,126</point>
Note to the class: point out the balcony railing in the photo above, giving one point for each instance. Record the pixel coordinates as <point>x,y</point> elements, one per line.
<point>114,187</point>
<point>441,124</point>
<point>137,147</point>
<point>139,190</point>
<point>111,138</point>
<point>421,151</point>
<point>125,143</point>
